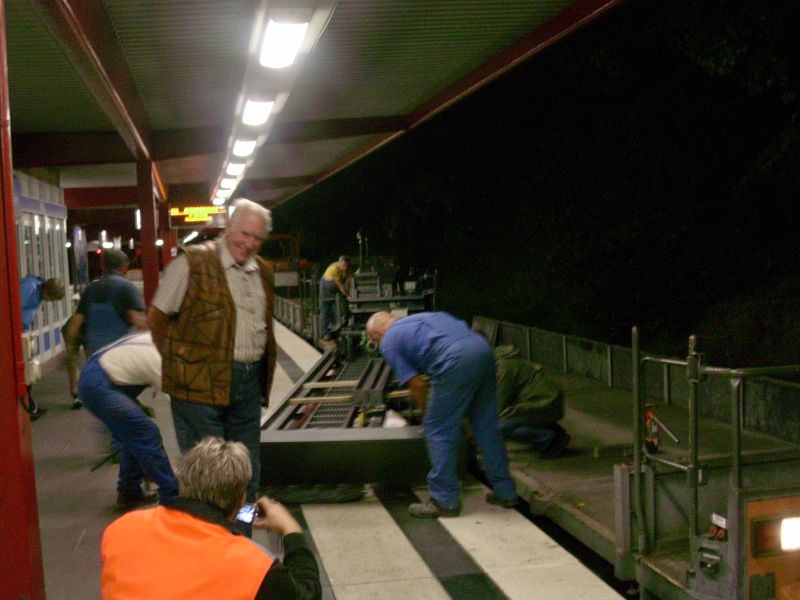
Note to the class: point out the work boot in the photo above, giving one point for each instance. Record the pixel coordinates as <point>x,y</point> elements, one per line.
<point>127,501</point>
<point>37,412</point>
<point>492,499</point>
<point>556,447</point>
<point>76,402</point>
<point>431,510</point>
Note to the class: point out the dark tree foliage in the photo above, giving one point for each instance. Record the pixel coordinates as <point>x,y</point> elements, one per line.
<point>644,171</point>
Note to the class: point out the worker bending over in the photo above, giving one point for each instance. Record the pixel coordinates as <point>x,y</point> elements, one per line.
<point>109,385</point>
<point>460,367</point>
<point>530,403</point>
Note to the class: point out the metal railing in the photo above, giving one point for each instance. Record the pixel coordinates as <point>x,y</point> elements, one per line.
<point>696,373</point>
<point>666,378</point>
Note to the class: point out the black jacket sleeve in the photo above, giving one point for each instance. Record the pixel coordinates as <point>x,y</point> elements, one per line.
<point>297,578</point>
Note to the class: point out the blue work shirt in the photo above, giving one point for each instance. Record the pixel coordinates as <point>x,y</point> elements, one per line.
<point>30,291</point>
<point>425,343</point>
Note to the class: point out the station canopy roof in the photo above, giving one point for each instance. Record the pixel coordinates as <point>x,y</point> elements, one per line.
<point>96,85</point>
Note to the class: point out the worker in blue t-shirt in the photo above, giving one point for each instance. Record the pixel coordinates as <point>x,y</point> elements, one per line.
<point>436,347</point>
<point>110,307</point>
<point>33,290</point>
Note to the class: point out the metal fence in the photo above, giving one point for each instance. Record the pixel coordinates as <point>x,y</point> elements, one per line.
<point>771,406</point>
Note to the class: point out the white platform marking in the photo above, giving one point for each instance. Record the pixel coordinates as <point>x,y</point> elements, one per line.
<point>366,555</point>
<point>519,557</point>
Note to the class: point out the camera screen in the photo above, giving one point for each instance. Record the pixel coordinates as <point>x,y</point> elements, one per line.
<point>246,513</point>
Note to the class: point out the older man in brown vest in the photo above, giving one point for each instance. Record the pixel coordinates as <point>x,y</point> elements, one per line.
<point>211,320</point>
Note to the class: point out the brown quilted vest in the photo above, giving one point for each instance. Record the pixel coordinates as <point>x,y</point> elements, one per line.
<point>198,349</point>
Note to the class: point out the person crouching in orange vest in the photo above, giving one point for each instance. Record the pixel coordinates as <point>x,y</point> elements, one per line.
<point>193,548</point>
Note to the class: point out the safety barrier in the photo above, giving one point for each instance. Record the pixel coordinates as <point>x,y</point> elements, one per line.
<point>771,406</point>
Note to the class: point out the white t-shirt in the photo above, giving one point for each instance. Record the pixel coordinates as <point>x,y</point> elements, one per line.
<point>132,360</point>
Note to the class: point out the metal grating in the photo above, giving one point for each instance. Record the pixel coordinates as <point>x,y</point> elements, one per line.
<point>337,415</point>
<point>330,416</point>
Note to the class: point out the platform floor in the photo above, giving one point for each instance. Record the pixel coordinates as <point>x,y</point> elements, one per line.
<point>367,549</point>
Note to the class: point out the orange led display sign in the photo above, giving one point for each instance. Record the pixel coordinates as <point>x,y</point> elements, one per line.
<point>197,216</point>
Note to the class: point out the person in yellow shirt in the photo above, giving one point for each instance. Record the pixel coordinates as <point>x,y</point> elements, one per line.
<point>334,281</point>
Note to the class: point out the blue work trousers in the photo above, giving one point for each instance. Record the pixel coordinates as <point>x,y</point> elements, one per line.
<point>465,388</point>
<point>240,421</point>
<point>539,437</point>
<point>142,451</point>
<point>327,306</point>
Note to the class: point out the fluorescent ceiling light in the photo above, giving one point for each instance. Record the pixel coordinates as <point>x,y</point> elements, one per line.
<point>790,534</point>
<point>190,237</point>
<point>256,113</point>
<point>138,218</point>
<point>218,201</point>
<point>281,44</point>
<point>234,169</point>
<point>244,147</point>
<point>108,245</point>
<point>224,193</point>
<point>227,183</point>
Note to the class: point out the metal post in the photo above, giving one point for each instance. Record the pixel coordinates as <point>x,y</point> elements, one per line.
<point>146,203</point>
<point>638,409</point>
<point>693,368</point>
<point>737,393</point>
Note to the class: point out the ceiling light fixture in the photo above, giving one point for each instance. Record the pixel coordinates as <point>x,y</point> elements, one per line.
<point>224,193</point>
<point>227,183</point>
<point>218,201</point>
<point>234,169</point>
<point>256,112</point>
<point>190,237</point>
<point>281,44</point>
<point>244,148</point>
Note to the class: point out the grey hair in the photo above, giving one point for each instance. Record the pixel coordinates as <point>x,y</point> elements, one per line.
<point>243,205</point>
<point>215,472</point>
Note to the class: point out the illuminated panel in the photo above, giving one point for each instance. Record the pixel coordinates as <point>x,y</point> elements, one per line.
<point>769,553</point>
<point>196,216</point>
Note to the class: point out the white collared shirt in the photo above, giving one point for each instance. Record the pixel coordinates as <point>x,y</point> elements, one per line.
<point>244,283</point>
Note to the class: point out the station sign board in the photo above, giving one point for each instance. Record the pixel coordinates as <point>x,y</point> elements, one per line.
<point>193,217</point>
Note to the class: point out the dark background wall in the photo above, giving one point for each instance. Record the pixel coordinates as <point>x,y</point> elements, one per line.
<point>644,171</point>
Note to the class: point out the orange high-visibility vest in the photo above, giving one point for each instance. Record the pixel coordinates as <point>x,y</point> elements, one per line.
<point>170,554</point>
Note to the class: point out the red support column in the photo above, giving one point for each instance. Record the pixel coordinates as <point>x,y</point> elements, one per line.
<point>21,570</point>
<point>146,201</point>
<point>168,235</point>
